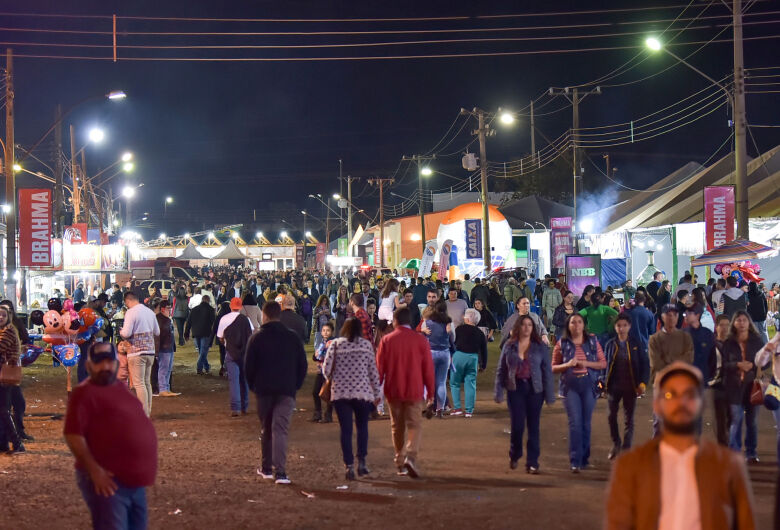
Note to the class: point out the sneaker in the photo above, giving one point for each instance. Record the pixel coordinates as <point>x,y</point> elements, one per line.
<point>350,473</point>
<point>26,437</point>
<point>156,395</point>
<point>168,393</point>
<point>411,468</point>
<point>575,469</point>
<point>18,449</point>
<point>235,414</point>
<point>316,417</point>
<point>439,413</point>
<point>512,464</point>
<point>281,478</point>
<point>752,460</point>
<point>457,412</point>
<point>402,472</point>
<point>362,470</point>
<point>532,470</point>
<point>468,415</point>
<point>266,474</point>
<point>614,452</point>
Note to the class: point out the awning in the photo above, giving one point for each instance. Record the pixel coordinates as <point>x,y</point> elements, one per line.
<point>737,250</point>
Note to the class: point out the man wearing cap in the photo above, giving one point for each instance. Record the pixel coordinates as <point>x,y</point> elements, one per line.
<point>679,480</point>
<point>114,443</point>
<point>234,331</point>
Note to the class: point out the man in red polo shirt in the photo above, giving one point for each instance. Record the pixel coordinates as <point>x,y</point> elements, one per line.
<point>405,366</point>
<point>114,443</point>
<point>356,303</point>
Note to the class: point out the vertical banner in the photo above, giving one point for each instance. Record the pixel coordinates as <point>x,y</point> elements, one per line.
<point>718,216</point>
<point>427,258</point>
<point>444,259</point>
<point>76,234</point>
<point>377,252</point>
<point>473,238</point>
<point>343,244</point>
<point>320,254</point>
<point>34,228</point>
<point>299,257</point>
<point>560,233</point>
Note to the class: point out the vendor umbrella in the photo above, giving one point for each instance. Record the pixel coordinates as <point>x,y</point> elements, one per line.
<point>737,250</point>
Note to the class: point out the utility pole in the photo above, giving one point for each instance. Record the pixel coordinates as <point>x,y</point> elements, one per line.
<point>58,188</point>
<point>380,182</point>
<point>10,181</point>
<point>575,100</point>
<point>533,134</point>
<point>609,173</point>
<point>304,240</point>
<point>420,197</point>
<point>84,183</point>
<point>74,177</point>
<point>740,128</point>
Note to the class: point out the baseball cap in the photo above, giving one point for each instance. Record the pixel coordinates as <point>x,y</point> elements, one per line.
<point>102,355</point>
<point>669,307</point>
<point>235,303</point>
<point>678,367</point>
<point>103,297</point>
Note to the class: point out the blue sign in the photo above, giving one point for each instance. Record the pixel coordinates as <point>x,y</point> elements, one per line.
<point>473,238</point>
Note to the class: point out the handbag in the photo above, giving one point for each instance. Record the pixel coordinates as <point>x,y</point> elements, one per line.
<point>11,375</point>
<point>325,392</point>
<point>757,393</point>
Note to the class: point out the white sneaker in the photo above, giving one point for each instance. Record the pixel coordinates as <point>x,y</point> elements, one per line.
<point>263,474</point>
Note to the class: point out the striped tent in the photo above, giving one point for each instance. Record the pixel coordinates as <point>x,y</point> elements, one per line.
<point>737,250</point>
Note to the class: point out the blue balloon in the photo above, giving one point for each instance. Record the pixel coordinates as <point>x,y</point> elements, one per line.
<point>36,336</point>
<point>31,355</point>
<point>67,354</point>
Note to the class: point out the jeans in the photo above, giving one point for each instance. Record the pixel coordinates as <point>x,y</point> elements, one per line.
<point>7,426</point>
<point>19,405</point>
<point>317,339</point>
<point>274,413</point>
<point>722,417</point>
<point>202,345</point>
<point>441,364</point>
<point>125,509</point>
<point>362,409</point>
<point>579,401</point>
<point>510,308</point>
<point>140,368</point>
<point>164,369</point>
<point>154,378</point>
<point>761,327</point>
<point>319,380</point>
<point>750,414</point>
<point>180,329</point>
<point>525,408</point>
<point>628,397</point>
<point>239,390</point>
<point>464,373</point>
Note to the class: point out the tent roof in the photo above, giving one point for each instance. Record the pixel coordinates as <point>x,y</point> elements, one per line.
<point>533,209</point>
<point>191,252</point>
<point>231,251</point>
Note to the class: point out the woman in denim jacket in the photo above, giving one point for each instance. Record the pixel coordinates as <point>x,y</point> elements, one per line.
<point>578,357</point>
<point>525,373</point>
<point>437,328</point>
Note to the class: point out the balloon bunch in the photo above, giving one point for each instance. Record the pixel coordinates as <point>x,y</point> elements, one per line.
<point>741,270</point>
<point>65,329</point>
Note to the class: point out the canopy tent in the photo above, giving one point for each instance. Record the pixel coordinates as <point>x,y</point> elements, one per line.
<point>737,250</point>
<point>191,252</point>
<point>413,263</point>
<point>533,209</point>
<point>231,251</point>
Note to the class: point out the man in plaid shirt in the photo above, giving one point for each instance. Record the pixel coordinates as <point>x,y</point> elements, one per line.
<point>356,303</point>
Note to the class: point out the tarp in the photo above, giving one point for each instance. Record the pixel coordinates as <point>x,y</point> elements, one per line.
<point>613,272</point>
<point>191,252</point>
<point>231,251</point>
<point>533,209</point>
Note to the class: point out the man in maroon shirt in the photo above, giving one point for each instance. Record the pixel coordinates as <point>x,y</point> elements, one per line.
<point>405,367</point>
<point>356,303</point>
<point>114,443</point>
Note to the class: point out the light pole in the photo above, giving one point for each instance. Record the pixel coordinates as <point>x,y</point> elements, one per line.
<point>736,102</point>
<point>304,240</point>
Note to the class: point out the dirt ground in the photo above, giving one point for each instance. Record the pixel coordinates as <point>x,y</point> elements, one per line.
<point>207,463</point>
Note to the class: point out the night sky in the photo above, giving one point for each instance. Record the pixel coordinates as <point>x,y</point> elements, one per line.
<point>227,138</point>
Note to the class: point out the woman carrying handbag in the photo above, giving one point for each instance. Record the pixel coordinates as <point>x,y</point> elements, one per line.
<point>10,376</point>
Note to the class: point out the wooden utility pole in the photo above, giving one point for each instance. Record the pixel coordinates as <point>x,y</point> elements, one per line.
<point>10,180</point>
<point>380,182</point>
<point>483,192</point>
<point>83,182</point>
<point>533,134</point>
<point>740,128</point>
<point>74,177</point>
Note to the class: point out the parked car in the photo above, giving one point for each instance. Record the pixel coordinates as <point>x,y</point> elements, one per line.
<point>165,286</point>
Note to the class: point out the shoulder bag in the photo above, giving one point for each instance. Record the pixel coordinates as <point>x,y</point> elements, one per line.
<point>11,375</point>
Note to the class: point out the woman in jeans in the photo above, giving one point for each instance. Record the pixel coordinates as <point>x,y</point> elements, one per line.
<point>17,397</point>
<point>438,329</point>
<point>739,372</point>
<point>524,372</point>
<point>578,357</point>
<point>350,366</point>
<point>9,354</point>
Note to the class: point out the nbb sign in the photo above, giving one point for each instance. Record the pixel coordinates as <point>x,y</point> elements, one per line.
<point>35,228</point>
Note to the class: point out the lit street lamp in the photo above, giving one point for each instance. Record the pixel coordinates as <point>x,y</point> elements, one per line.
<point>168,200</point>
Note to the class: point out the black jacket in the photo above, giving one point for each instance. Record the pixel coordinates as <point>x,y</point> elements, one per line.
<point>274,363</point>
<point>738,388</point>
<point>637,358</point>
<point>294,322</point>
<point>236,337</point>
<point>200,321</point>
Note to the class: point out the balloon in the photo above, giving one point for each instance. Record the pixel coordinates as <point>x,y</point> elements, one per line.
<point>67,305</point>
<point>69,324</point>
<point>36,317</point>
<point>36,336</point>
<point>67,354</point>
<point>54,304</point>
<point>718,268</point>
<point>52,322</point>
<point>31,355</point>
<point>88,317</point>
<point>737,274</point>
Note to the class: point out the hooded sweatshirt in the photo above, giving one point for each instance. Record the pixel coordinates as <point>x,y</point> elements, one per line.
<point>732,300</point>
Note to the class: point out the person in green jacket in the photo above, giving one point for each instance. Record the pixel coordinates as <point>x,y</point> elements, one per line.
<point>551,298</point>
<point>599,318</point>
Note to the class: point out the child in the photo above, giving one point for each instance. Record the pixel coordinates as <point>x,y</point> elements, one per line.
<point>326,330</point>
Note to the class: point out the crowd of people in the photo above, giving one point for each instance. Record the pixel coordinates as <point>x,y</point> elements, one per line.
<point>408,347</point>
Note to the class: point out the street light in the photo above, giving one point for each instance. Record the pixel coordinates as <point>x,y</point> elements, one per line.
<point>211,235</point>
<point>96,135</point>
<point>128,192</point>
<point>17,168</point>
<point>127,167</point>
<point>426,171</point>
<point>116,94</point>
<point>162,235</point>
<point>187,235</point>
<point>507,118</point>
<point>127,156</point>
<point>258,235</point>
